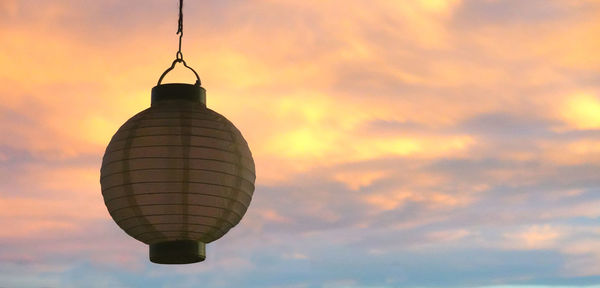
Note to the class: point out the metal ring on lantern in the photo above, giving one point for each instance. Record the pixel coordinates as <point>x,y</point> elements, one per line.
<point>177,60</point>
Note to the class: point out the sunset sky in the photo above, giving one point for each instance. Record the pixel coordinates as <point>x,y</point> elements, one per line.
<point>422,143</point>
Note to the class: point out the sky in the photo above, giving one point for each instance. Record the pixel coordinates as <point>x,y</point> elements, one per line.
<point>422,143</point>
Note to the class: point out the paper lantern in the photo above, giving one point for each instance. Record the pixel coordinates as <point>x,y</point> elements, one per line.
<point>177,175</point>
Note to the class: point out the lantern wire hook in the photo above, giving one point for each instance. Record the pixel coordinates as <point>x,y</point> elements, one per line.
<point>179,55</point>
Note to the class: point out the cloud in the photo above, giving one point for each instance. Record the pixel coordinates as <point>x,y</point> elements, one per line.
<point>534,237</point>
<point>393,140</point>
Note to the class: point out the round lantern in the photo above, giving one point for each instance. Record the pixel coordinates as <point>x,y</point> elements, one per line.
<point>177,175</point>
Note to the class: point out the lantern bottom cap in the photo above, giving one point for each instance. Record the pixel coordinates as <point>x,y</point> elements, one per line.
<point>178,252</point>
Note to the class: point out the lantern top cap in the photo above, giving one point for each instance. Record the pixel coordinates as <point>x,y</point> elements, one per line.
<point>178,91</point>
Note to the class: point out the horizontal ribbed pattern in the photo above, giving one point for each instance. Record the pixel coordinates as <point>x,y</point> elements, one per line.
<point>166,188</point>
<point>172,131</point>
<point>177,171</point>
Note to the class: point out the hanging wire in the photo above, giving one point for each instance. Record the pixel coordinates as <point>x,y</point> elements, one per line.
<point>179,55</point>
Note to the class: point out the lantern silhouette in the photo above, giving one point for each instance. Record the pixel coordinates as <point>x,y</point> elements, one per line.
<point>177,175</point>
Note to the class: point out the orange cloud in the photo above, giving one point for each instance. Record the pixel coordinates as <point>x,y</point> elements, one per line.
<point>435,200</point>
<point>535,237</point>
